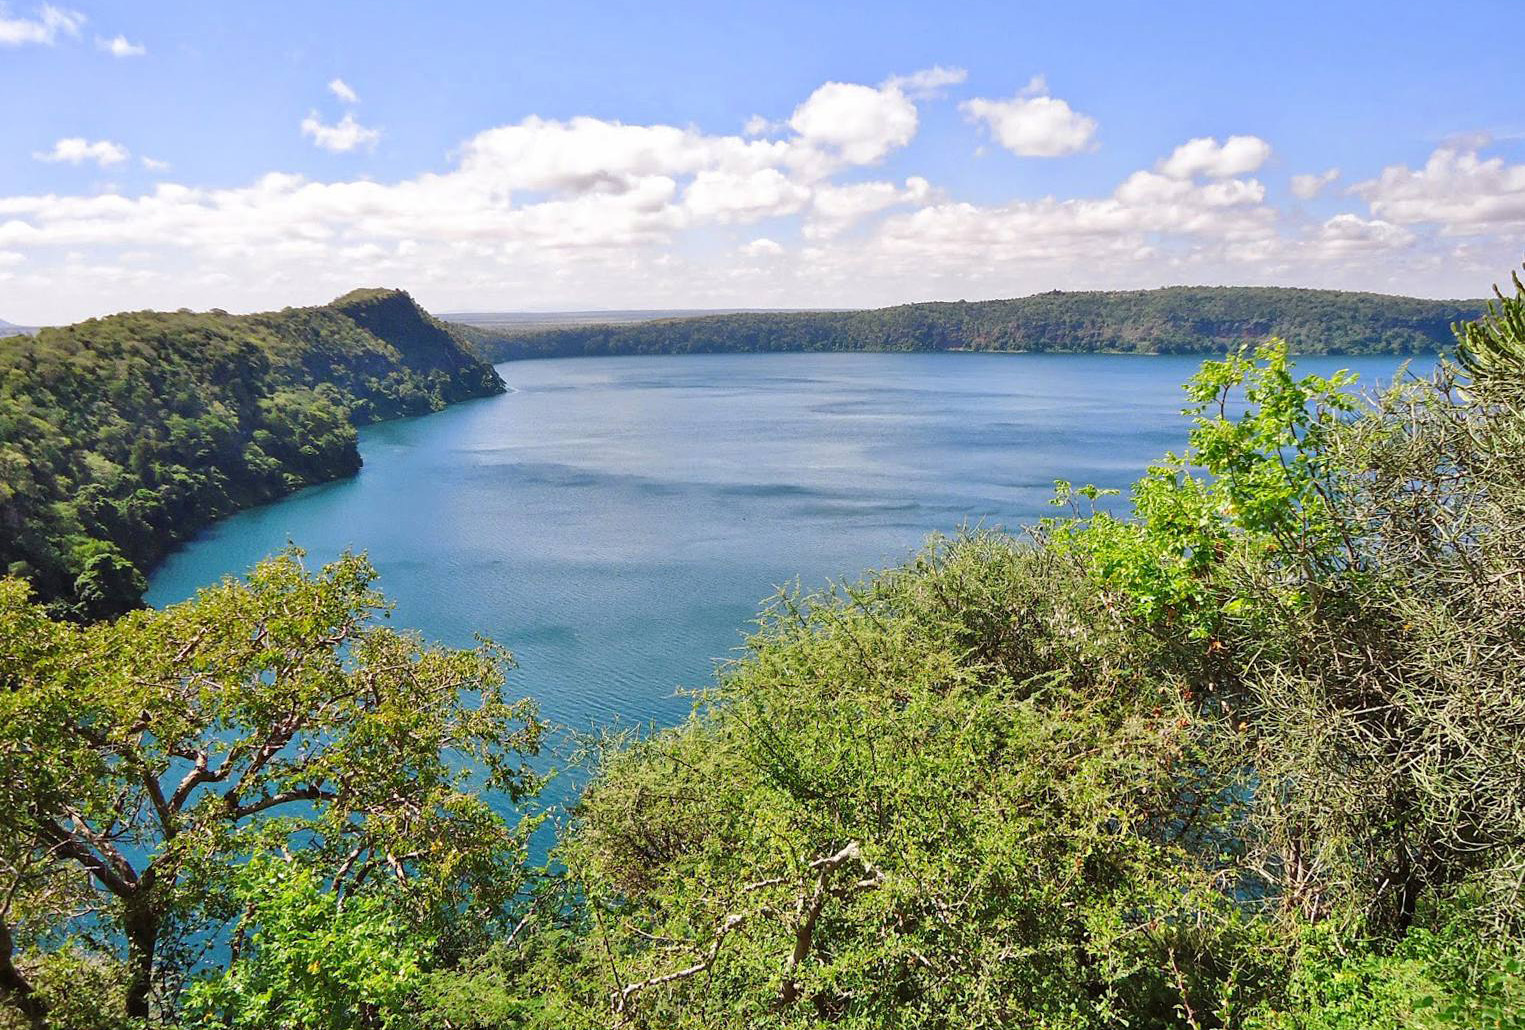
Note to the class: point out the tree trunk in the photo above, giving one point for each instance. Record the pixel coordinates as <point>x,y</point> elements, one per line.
<point>15,987</point>
<point>142,929</point>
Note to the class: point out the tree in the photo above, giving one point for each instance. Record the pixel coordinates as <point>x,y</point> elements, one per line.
<point>143,761</point>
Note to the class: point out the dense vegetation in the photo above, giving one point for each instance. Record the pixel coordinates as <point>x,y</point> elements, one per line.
<point>1178,320</point>
<point>120,436</point>
<point>1250,756</point>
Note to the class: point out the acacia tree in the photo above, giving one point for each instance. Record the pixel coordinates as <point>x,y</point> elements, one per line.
<point>1341,584</point>
<point>143,761</point>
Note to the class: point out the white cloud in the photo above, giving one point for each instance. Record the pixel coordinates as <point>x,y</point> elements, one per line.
<point>1350,234</point>
<point>588,212</point>
<point>155,165</point>
<point>77,150</point>
<point>1310,185</point>
<point>43,28</point>
<point>1206,156</point>
<point>835,208</point>
<point>341,89</point>
<point>725,196</point>
<point>119,46</point>
<point>928,82</point>
<point>762,247</point>
<point>1461,191</point>
<point>1034,124</point>
<point>10,259</point>
<point>860,123</point>
<point>342,137</point>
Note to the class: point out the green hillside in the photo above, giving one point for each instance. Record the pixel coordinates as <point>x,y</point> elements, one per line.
<point>1176,320</point>
<point>120,436</point>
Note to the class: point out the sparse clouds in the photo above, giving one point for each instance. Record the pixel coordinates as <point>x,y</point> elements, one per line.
<point>120,46</point>
<point>77,150</point>
<point>1206,156</point>
<point>1034,124</point>
<point>342,137</point>
<point>594,211</point>
<point>42,28</point>
<point>928,82</point>
<point>154,165</point>
<point>1311,185</point>
<point>341,89</point>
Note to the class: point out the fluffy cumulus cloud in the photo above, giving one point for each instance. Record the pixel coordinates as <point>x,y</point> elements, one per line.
<point>860,124</point>
<point>834,209</point>
<point>1034,124</point>
<point>341,137</point>
<point>120,46</point>
<point>42,27</point>
<point>78,150</point>
<point>1236,155</point>
<point>801,211</point>
<point>1457,188</point>
<point>1346,234</point>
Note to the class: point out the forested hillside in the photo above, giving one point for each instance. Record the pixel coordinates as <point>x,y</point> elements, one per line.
<point>120,436</point>
<point>1177,320</point>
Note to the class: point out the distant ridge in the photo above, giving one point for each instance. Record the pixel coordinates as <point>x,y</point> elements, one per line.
<point>1171,320</point>
<point>531,320</point>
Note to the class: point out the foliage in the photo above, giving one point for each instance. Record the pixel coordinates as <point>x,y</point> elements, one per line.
<point>1257,480</point>
<point>1441,979</point>
<point>121,436</point>
<point>312,960</point>
<point>1177,320</point>
<point>943,797</point>
<point>1347,582</point>
<point>150,767</point>
<point>1492,349</point>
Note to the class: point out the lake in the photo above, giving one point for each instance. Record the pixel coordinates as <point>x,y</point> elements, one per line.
<point>616,521</point>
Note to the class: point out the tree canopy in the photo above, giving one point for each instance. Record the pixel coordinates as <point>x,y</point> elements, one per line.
<point>162,774</point>
<point>1176,320</point>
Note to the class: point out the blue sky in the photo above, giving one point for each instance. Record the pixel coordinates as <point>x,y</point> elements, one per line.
<point>536,156</point>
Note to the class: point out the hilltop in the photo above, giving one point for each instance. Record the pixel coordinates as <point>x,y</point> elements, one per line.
<point>1173,320</point>
<point>120,436</point>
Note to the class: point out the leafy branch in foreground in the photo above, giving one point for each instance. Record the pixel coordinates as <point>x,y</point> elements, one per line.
<point>145,761</point>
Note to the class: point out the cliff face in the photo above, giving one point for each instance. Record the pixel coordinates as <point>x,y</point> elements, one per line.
<point>120,436</point>
<point>424,343</point>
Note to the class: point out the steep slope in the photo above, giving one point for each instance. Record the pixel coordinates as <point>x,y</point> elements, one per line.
<point>1178,319</point>
<point>120,436</point>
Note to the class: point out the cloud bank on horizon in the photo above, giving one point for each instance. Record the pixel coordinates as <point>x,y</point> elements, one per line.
<point>793,208</point>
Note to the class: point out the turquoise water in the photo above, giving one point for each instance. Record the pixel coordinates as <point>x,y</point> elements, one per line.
<point>616,521</point>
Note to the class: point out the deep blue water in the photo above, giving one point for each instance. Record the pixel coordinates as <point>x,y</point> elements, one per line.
<point>616,521</point>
